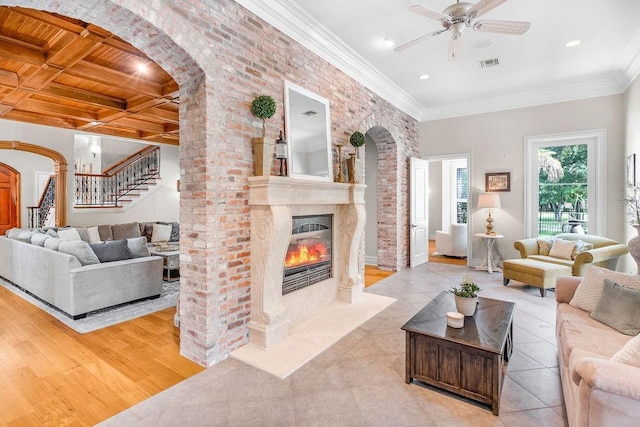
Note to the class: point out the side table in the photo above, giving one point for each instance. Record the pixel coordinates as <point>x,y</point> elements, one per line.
<point>490,263</point>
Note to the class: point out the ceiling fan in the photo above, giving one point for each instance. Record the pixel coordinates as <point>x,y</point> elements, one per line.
<point>457,17</point>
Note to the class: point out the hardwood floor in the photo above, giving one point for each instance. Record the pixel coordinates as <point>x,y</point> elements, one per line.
<point>443,259</point>
<point>51,375</point>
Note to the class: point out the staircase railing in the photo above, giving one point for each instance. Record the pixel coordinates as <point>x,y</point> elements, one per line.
<point>109,188</point>
<point>37,215</point>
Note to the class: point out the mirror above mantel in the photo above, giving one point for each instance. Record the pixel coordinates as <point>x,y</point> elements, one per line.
<point>308,129</point>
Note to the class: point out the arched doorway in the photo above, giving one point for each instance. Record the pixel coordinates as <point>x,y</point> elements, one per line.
<point>9,198</point>
<point>60,172</point>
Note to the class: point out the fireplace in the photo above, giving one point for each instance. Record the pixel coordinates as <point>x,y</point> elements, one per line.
<point>308,258</point>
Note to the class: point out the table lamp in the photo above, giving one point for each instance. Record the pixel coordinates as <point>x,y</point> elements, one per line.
<point>489,201</point>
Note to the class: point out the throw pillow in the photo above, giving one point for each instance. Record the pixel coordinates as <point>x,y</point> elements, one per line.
<point>89,234</point>
<point>544,246</point>
<point>115,250</point>
<point>630,353</point>
<point>581,247</point>
<point>69,234</point>
<point>175,230</point>
<point>148,230</point>
<point>562,248</point>
<point>52,243</point>
<point>588,292</point>
<point>51,232</point>
<point>618,308</point>
<point>138,247</point>
<point>80,250</point>
<point>38,239</point>
<point>125,231</point>
<point>161,233</point>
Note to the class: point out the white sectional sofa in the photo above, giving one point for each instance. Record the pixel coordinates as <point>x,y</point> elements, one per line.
<point>62,281</point>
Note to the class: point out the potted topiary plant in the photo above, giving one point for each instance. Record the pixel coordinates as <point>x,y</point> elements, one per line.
<point>357,140</point>
<point>263,107</point>
<point>466,296</point>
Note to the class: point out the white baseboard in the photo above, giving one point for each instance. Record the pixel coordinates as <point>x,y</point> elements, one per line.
<point>371,260</point>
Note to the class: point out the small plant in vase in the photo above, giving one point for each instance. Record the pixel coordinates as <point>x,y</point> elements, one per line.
<point>263,107</point>
<point>466,296</point>
<point>357,140</point>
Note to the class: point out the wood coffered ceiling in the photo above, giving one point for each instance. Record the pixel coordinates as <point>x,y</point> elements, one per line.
<point>62,72</point>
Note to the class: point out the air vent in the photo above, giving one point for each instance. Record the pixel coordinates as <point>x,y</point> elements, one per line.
<point>309,113</point>
<point>488,63</point>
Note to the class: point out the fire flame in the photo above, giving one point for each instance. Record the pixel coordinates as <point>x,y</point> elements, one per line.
<point>305,254</point>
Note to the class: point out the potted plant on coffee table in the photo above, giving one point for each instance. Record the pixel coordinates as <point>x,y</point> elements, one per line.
<point>263,107</point>
<point>466,296</point>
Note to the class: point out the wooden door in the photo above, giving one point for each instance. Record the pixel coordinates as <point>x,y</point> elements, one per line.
<point>9,198</point>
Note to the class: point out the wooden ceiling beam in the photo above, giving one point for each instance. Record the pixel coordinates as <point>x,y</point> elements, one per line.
<point>71,49</point>
<point>39,118</point>
<point>142,103</point>
<point>21,53</point>
<point>84,96</point>
<point>44,107</point>
<point>142,125</point>
<point>94,72</point>
<point>8,79</point>
<point>160,114</point>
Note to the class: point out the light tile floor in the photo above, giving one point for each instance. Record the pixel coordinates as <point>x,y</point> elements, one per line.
<point>359,381</point>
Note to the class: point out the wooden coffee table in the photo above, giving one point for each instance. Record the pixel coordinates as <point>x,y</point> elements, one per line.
<point>470,361</point>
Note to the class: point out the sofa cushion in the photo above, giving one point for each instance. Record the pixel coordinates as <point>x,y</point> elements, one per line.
<point>576,316</point>
<point>38,239</point>
<point>588,293</point>
<point>13,233</point>
<point>630,353</point>
<point>161,233</point>
<point>25,236</point>
<point>138,246</point>
<point>619,307</point>
<point>146,228</point>
<point>52,243</point>
<point>80,250</point>
<point>114,250</point>
<point>89,234</point>
<point>562,248</point>
<point>595,340</point>
<point>125,231</point>
<point>105,232</point>
<point>552,260</point>
<point>51,232</point>
<point>69,234</point>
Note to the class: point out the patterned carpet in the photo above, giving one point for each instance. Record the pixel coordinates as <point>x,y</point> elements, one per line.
<point>109,316</point>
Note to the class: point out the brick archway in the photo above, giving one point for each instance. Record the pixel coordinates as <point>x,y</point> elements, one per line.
<point>393,240</point>
<point>60,171</point>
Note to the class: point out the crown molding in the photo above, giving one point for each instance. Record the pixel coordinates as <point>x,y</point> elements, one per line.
<point>295,22</point>
<point>565,93</point>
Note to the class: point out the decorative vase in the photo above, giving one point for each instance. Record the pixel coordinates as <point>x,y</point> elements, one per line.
<point>351,168</point>
<point>634,247</point>
<point>466,306</point>
<point>340,175</point>
<point>262,155</point>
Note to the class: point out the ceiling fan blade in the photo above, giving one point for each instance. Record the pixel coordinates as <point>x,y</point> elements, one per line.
<point>429,13</point>
<point>484,6</point>
<point>418,40</point>
<point>455,48</point>
<point>504,27</point>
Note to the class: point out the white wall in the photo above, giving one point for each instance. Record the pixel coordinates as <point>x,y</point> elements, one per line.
<point>162,205</point>
<point>632,145</point>
<point>496,141</point>
<point>371,201</point>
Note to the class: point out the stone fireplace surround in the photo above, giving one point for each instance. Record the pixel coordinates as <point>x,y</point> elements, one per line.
<point>273,202</point>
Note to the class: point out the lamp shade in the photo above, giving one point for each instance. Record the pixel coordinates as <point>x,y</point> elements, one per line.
<point>489,200</point>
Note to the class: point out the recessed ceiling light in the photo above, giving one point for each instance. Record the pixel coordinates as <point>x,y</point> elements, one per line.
<point>573,43</point>
<point>424,77</point>
<point>483,44</point>
<point>388,43</point>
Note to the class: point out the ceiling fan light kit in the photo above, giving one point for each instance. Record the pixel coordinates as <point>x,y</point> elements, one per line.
<point>460,16</point>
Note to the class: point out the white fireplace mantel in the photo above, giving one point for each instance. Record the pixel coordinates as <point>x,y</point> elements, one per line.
<point>273,202</point>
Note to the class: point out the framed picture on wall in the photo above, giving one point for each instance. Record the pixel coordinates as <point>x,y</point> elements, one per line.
<point>631,169</point>
<point>497,181</point>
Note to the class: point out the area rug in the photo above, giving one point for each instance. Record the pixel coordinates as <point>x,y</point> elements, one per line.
<point>108,316</point>
<point>311,337</point>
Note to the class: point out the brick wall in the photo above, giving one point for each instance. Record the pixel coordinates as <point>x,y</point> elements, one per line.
<point>223,56</point>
